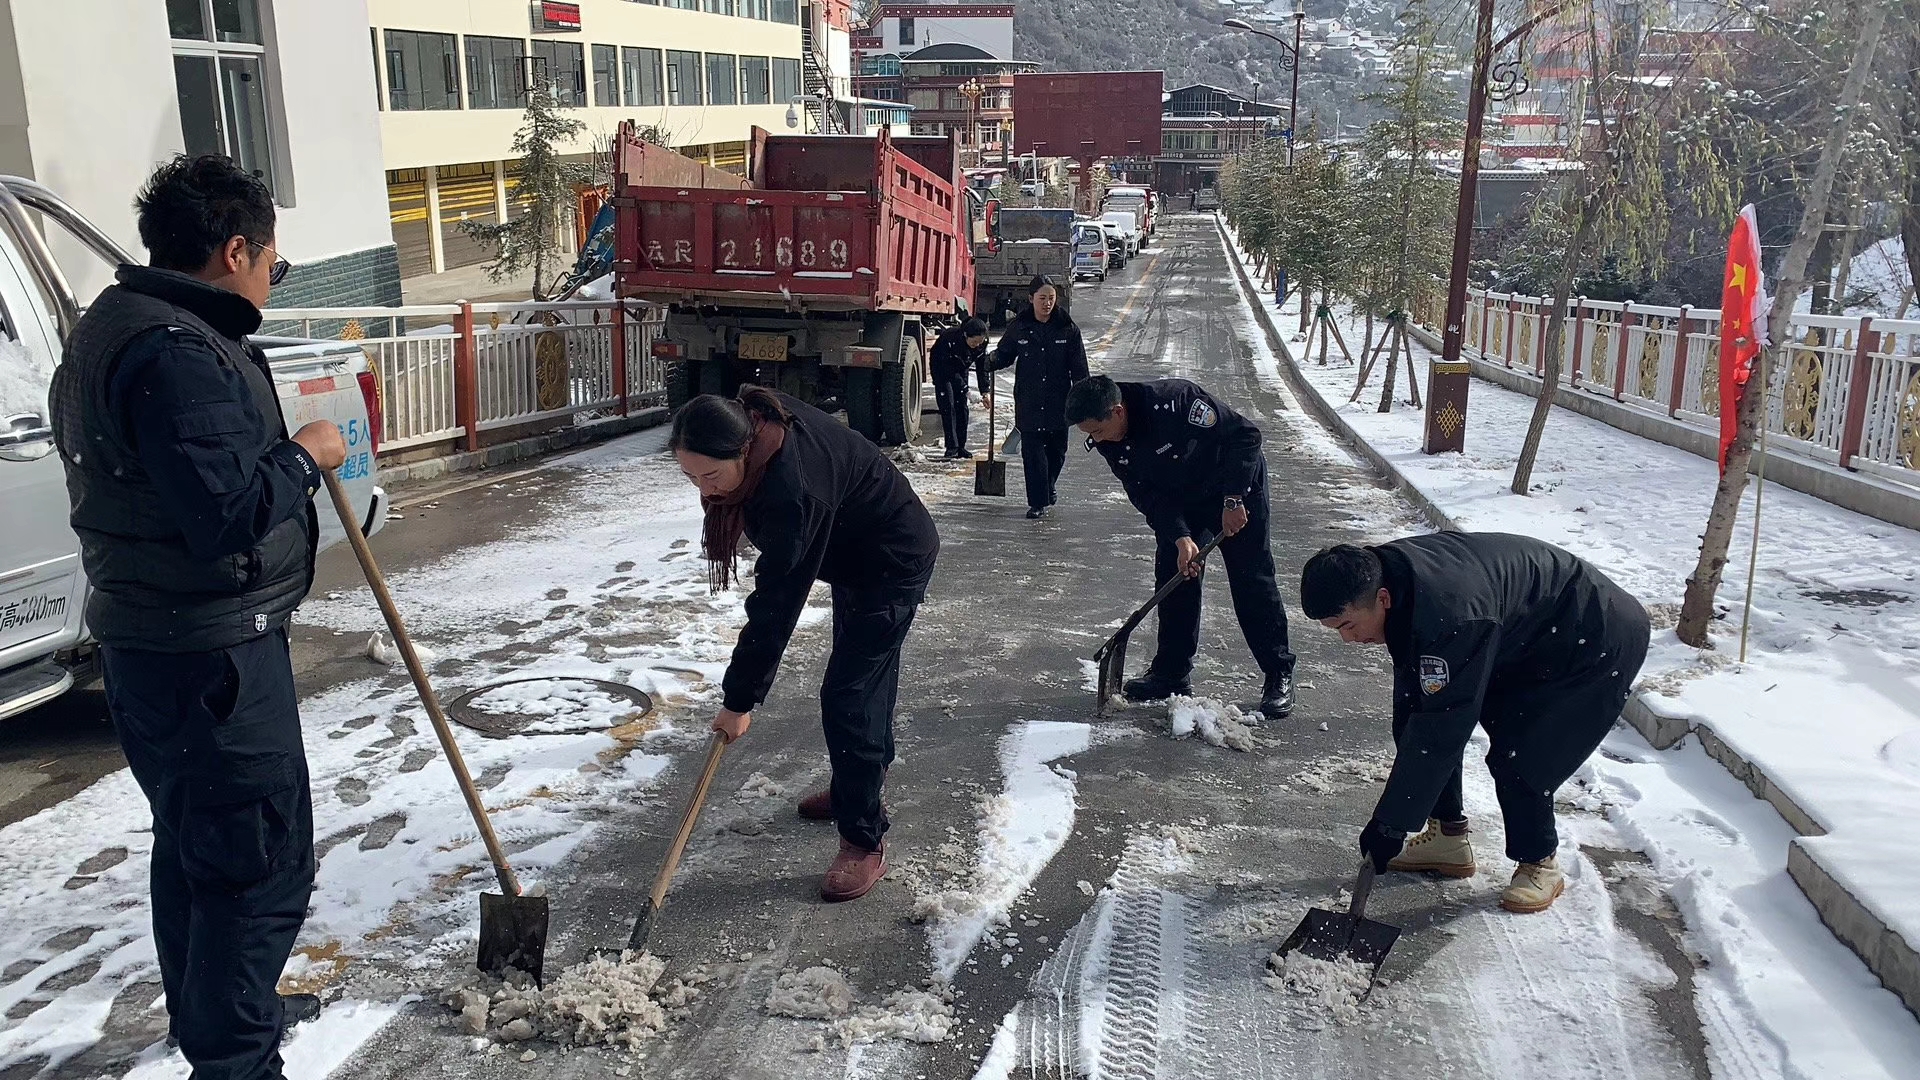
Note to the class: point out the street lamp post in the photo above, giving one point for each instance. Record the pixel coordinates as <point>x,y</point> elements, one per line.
<point>972,91</point>
<point>1290,59</point>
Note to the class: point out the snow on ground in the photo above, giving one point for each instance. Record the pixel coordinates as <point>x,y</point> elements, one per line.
<point>609,587</point>
<point>1021,829</point>
<point>1828,704</point>
<point>310,1052</point>
<point>1213,722</point>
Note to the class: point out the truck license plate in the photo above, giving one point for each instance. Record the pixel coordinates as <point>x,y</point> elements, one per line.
<point>770,347</point>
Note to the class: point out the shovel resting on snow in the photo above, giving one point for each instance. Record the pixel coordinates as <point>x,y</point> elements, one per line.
<point>1348,935</point>
<point>513,926</point>
<point>1112,656</point>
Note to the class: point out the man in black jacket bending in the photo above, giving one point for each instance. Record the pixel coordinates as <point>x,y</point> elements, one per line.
<point>197,531</point>
<point>1509,632</point>
<point>1195,468</point>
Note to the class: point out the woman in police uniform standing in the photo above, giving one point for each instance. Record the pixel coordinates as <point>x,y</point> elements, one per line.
<point>1044,349</point>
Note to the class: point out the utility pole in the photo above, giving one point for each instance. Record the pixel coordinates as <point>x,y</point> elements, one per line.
<point>1290,60</point>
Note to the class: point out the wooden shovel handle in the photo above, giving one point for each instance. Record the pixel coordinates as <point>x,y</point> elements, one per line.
<point>688,820</point>
<point>509,884</point>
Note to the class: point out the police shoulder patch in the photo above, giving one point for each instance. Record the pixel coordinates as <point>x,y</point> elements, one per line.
<point>1433,674</point>
<point>1202,415</point>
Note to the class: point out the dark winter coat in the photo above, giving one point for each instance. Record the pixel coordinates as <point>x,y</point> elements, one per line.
<point>1184,453</point>
<point>830,508</point>
<point>1471,615</point>
<point>193,508</point>
<point>952,359</point>
<point>1047,358</point>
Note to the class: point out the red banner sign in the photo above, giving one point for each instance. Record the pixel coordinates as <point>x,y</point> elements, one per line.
<point>553,16</point>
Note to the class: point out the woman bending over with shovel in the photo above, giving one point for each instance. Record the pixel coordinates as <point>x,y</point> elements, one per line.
<point>820,503</point>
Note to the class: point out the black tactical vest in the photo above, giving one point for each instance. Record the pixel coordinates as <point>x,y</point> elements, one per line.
<point>148,589</point>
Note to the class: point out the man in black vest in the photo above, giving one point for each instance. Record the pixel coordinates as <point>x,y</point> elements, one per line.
<point>1194,467</point>
<point>1508,632</point>
<point>197,531</point>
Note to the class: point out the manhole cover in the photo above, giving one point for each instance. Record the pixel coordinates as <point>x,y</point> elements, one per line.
<point>551,706</point>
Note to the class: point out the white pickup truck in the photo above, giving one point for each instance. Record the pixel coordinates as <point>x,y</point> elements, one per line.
<point>45,649</point>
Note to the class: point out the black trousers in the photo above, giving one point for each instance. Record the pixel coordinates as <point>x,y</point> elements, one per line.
<point>213,738</point>
<point>1248,556</point>
<point>951,396</point>
<point>1043,454</point>
<point>1540,734</point>
<point>857,697</point>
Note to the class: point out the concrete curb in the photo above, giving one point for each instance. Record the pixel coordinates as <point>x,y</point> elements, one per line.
<point>1890,957</point>
<point>488,457</point>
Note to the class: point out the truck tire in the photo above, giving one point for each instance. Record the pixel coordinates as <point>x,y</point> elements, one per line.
<point>900,394</point>
<point>863,401</point>
<point>683,382</point>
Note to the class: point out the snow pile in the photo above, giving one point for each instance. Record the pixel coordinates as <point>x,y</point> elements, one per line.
<point>24,378</point>
<point>382,651</point>
<point>1331,988</point>
<point>1216,723</point>
<point>600,1001</point>
<point>818,993</point>
<point>1330,774</point>
<point>921,1016</point>
<point>563,705</point>
<point>761,786</point>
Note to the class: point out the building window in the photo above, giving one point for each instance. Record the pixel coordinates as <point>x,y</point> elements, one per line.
<point>786,11</point>
<point>786,79</point>
<point>684,5</point>
<point>722,85</point>
<point>719,7</point>
<point>565,70</point>
<point>606,75</point>
<point>928,100</point>
<point>756,9</point>
<point>756,81</point>
<point>642,70</point>
<point>683,77</point>
<point>906,31</point>
<point>423,71</point>
<point>220,74</point>
<point>496,72</point>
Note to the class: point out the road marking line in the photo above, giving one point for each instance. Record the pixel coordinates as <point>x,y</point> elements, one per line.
<point>1119,320</point>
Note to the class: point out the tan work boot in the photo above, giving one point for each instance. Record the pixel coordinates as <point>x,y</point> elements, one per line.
<point>1536,885</point>
<point>854,871</point>
<point>818,806</point>
<point>1435,851</point>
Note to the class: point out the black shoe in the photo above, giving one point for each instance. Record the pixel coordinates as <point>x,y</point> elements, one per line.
<point>1276,701</point>
<point>1035,513</point>
<point>1156,687</point>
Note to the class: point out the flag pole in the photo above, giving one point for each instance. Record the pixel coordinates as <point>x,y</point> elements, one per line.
<point>1759,493</point>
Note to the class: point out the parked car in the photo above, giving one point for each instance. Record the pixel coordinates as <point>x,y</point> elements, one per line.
<point>1206,199</point>
<point>1128,222</point>
<point>1089,251</point>
<point>1117,249</point>
<point>45,649</point>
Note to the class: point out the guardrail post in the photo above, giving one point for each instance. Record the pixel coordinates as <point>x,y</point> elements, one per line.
<point>466,377</point>
<point>620,351</point>
<point>1620,367</point>
<point>1486,312</point>
<point>1678,391</point>
<point>1541,317</point>
<point>1579,329</point>
<point>1857,387</point>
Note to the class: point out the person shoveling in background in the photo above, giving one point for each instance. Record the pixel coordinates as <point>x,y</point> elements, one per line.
<point>1044,349</point>
<point>1512,633</point>
<point>819,502</point>
<point>1195,468</point>
<point>958,352</point>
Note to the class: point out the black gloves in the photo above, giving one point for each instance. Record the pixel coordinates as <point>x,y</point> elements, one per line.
<point>1381,844</point>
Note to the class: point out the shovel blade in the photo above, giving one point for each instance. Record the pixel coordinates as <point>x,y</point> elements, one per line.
<point>513,934</point>
<point>990,478</point>
<point>1336,935</point>
<point>1111,682</point>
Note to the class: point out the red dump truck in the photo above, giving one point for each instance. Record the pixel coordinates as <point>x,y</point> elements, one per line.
<point>824,273</point>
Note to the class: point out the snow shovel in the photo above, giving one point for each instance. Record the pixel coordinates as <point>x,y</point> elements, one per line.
<point>1112,656</point>
<point>1349,935</point>
<point>513,926</point>
<point>643,922</point>
<point>990,476</point>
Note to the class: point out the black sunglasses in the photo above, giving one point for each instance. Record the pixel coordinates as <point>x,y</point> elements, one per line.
<point>280,265</point>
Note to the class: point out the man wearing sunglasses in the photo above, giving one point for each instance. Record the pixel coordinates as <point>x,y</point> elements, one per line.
<point>197,531</point>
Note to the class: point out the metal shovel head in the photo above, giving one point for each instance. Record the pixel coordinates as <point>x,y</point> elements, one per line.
<point>1336,935</point>
<point>1112,659</point>
<point>990,478</point>
<point>513,934</point>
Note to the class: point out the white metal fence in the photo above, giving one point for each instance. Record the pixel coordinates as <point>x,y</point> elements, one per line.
<point>452,370</point>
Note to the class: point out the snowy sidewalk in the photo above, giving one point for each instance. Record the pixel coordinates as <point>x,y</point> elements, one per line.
<point>1824,719</point>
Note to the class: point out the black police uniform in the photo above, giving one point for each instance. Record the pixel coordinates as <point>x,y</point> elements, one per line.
<point>952,361</point>
<point>832,508</point>
<point>197,531</point>
<point>1535,645</point>
<point>1047,359</point>
<point>1184,454</point>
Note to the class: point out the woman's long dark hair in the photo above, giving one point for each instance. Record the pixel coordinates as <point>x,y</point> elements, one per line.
<point>720,428</point>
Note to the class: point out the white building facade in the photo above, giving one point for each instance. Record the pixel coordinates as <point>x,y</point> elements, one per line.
<point>95,93</point>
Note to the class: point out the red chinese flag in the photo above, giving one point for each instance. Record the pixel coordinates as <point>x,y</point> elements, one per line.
<point>1741,332</point>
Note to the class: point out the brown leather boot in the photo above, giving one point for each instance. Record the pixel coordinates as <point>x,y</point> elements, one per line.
<point>818,806</point>
<point>854,872</point>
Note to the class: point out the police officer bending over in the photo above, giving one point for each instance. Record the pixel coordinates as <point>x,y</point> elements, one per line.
<point>958,352</point>
<point>197,531</point>
<point>1194,467</point>
<point>1535,645</point>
